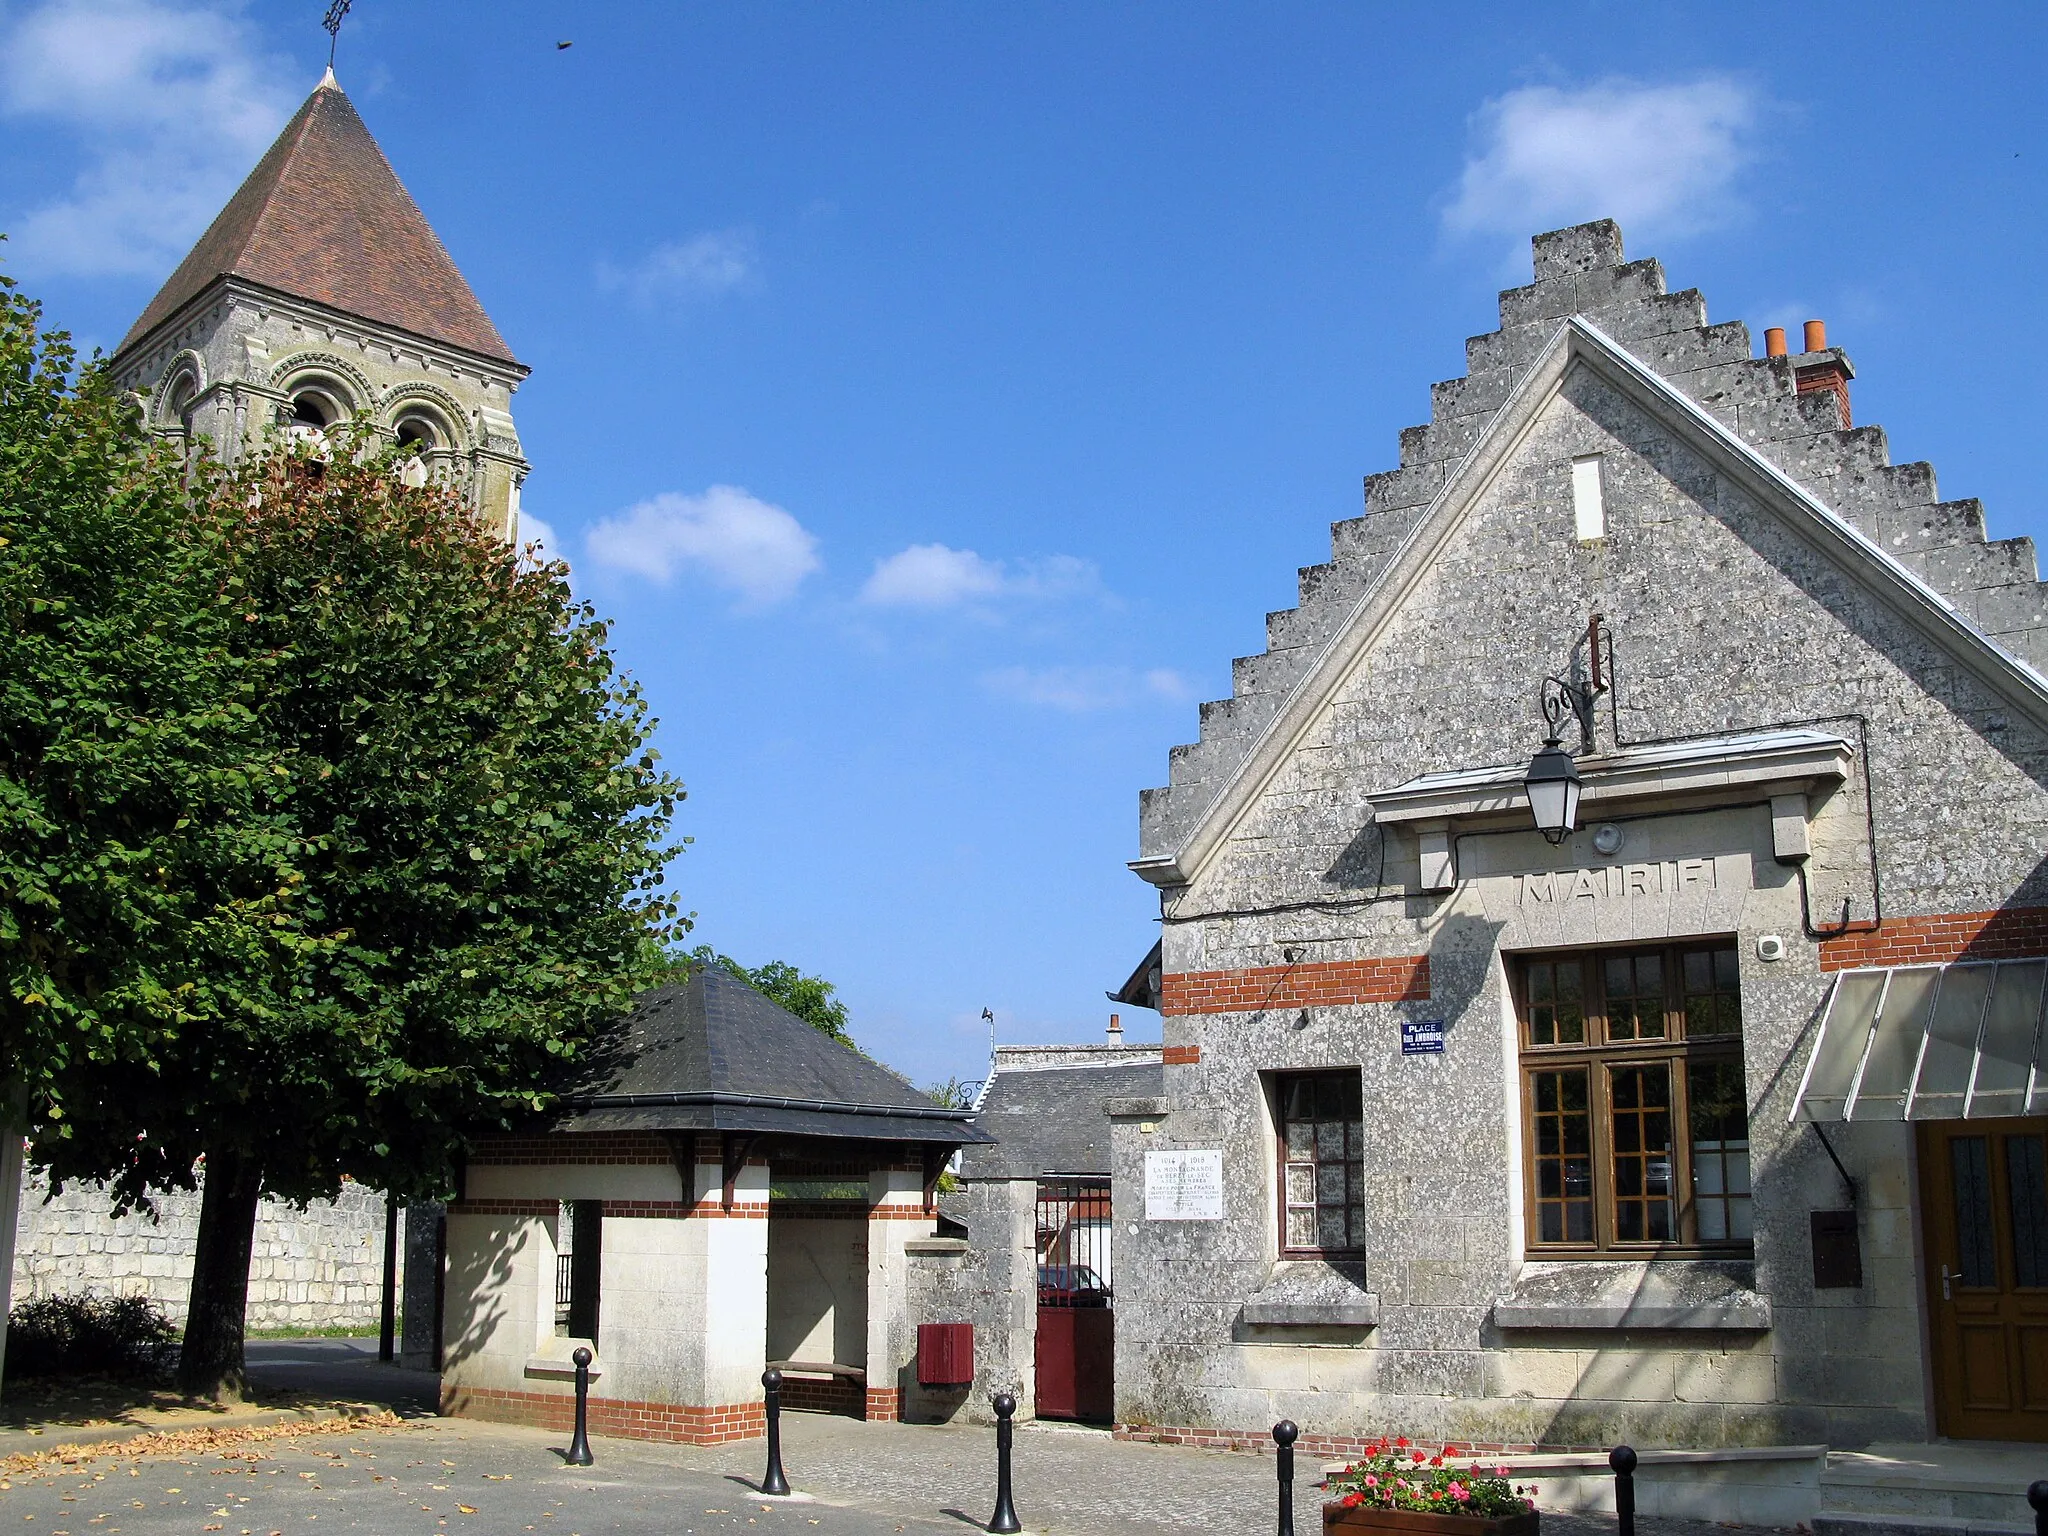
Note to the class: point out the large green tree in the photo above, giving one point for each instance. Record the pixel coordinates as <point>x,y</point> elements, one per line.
<point>457,828</point>
<point>137,860</point>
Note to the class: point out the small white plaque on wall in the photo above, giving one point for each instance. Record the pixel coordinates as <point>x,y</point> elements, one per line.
<point>1184,1186</point>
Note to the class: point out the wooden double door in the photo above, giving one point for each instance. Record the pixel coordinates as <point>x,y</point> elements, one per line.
<point>1984,1205</point>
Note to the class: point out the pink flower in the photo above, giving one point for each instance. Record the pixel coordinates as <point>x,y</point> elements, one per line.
<point>1371,1481</point>
<point>1500,1471</point>
<point>1458,1492</point>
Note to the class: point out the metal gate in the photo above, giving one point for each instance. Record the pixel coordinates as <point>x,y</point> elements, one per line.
<point>1076,1351</point>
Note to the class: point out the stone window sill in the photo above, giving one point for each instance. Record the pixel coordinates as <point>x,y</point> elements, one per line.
<point>1312,1293</point>
<point>1676,1294</point>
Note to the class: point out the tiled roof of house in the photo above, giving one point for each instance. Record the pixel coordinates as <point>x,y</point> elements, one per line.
<point>324,217</point>
<point>1052,1120</point>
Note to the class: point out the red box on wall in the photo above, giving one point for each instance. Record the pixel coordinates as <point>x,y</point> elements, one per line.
<point>945,1354</point>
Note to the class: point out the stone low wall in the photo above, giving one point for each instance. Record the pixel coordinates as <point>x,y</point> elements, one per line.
<point>322,1267</point>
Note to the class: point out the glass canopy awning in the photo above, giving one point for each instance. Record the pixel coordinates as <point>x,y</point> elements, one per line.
<point>1929,1042</point>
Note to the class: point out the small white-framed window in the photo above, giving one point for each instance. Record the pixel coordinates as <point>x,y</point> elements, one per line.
<point>1589,510</point>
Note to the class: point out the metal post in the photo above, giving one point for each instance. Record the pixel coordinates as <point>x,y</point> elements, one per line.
<point>387,1325</point>
<point>1284,1436</point>
<point>1623,1459</point>
<point>1005,1517</point>
<point>2037,1495</point>
<point>773,1482</point>
<point>579,1443</point>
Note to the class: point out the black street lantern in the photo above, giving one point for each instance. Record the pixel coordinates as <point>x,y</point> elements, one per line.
<point>1552,784</point>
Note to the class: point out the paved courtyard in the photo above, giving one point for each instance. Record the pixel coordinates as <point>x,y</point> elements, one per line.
<point>424,1475</point>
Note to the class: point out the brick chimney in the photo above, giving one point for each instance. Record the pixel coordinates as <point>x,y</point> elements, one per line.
<point>1116,1030</point>
<point>1819,368</point>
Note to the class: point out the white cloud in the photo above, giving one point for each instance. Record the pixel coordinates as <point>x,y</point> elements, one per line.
<point>738,541</point>
<point>701,267</point>
<point>935,576</point>
<point>1660,159</point>
<point>171,106</point>
<point>1081,690</point>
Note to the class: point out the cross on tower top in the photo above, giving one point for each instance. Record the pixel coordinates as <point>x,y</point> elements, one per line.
<point>335,11</point>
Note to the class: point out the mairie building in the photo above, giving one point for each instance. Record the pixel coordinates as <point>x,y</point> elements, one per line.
<point>1603,936</point>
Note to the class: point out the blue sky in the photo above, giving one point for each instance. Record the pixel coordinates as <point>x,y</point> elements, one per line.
<point>938,395</point>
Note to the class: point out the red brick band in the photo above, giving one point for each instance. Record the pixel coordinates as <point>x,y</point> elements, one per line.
<point>641,1147</point>
<point>1180,1055</point>
<point>657,1210</point>
<point>1399,979</point>
<point>2010,933</point>
<point>822,1394</point>
<point>504,1207</point>
<point>626,1419</point>
<point>881,1406</point>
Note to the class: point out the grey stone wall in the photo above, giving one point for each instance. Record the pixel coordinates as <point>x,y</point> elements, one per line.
<point>994,1286</point>
<point>322,1267</point>
<point>1725,618</point>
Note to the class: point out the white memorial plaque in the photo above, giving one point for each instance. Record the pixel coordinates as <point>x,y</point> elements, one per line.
<point>1184,1186</point>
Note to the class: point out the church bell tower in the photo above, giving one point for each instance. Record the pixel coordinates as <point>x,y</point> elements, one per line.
<point>319,296</point>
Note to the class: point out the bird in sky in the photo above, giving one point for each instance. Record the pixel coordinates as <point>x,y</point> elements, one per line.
<point>560,46</point>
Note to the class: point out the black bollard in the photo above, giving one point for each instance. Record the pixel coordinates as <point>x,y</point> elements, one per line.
<point>579,1443</point>
<point>1005,1517</point>
<point>771,1399</point>
<point>2037,1495</point>
<point>1284,1436</point>
<point>1623,1459</point>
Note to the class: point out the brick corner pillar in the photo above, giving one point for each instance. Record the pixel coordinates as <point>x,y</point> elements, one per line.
<point>734,1337</point>
<point>896,1215</point>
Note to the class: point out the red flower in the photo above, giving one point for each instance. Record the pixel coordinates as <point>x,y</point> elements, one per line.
<point>1353,1500</point>
<point>1420,1458</point>
<point>1402,1442</point>
<point>1452,1450</point>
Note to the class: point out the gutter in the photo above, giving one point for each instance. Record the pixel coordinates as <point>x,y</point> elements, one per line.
<point>760,1101</point>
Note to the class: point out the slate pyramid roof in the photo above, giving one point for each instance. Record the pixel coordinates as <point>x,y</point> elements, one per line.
<point>324,217</point>
<point>711,1053</point>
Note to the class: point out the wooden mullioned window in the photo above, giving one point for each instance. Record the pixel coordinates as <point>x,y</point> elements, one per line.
<point>1635,1116</point>
<point>1320,1121</point>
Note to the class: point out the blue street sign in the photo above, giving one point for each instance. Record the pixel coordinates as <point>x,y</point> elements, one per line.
<point>1422,1037</point>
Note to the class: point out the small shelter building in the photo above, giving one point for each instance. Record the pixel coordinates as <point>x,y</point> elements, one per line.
<point>721,1188</point>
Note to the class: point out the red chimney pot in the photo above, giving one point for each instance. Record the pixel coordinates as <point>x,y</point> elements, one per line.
<point>1816,336</point>
<point>1774,341</point>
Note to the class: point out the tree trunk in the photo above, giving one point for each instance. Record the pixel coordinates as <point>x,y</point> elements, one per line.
<point>210,1365</point>
<point>10,1197</point>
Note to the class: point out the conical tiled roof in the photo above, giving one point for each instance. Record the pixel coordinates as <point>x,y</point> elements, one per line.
<point>324,217</point>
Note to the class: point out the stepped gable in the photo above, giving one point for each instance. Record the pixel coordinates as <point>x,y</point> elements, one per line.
<point>1582,271</point>
<point>323,217</point>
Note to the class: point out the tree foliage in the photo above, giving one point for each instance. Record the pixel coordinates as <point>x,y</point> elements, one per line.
<point>455,838</point>
<point>810,998</point>
<point>134,853</point>
<point>325,824</point>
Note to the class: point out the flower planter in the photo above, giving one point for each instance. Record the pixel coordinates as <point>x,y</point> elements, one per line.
<point>1408,1522</point>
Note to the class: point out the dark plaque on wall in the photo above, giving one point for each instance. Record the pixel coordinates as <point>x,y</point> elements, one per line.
<point>1837,1254</point>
